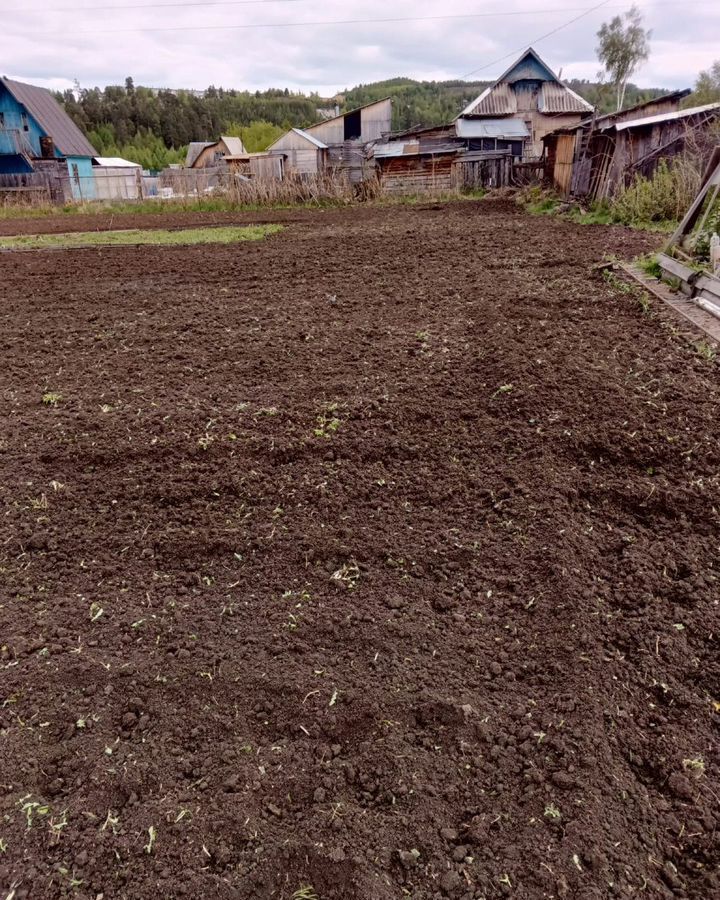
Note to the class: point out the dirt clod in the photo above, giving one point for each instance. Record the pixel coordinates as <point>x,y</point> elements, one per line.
<point>681,786</point>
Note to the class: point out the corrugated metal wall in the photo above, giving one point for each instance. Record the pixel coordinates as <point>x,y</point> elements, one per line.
<point>117,184</point>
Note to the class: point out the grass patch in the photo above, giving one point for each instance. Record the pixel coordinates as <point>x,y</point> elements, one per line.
<point>650,265</point>
<point>707,352</point>
<point>598,214</point>
<point>139,207</point>
<point>540,202</point>
<point>630,289</point>
<point>544,206</point>
<point>133,237</point>
<point>430,197</point>
<point>305,892</point>
<point>219,204</point>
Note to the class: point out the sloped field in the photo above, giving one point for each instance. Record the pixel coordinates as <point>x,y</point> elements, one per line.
<point>377,559</point>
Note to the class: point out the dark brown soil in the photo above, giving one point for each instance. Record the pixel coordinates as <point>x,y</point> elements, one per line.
<point>379,558</point>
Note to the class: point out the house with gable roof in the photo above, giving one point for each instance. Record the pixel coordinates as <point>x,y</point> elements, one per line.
<point>37,135</point>
<point>208,154</point>
<point>527,102</point>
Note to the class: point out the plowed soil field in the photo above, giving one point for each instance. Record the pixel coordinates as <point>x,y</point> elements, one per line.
<point>376,560</point>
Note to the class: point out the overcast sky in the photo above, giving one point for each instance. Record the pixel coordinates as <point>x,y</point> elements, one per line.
<point>192,44</point>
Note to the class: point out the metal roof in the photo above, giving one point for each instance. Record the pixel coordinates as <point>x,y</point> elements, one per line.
<point>609,121</point>
<point>309,137</point>
<point>674,96</point>
<point>195,148</point>
<point>507,129</point>
<point>396,149</point>
<point>115,162</point>
<point>51,118</point>
<point>234,145</point>
<point>557,98</point>
<point>497,100</point>
<point>668,117</point>
<point>530,55</point>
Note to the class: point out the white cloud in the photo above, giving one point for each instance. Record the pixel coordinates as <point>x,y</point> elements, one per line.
<point>102,46</point>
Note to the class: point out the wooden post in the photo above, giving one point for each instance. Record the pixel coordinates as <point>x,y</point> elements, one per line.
<point>710,179</point>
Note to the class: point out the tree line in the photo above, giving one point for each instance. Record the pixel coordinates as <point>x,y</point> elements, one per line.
<point>153,127</point>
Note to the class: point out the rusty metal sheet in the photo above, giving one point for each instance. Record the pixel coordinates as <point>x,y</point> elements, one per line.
<point>507,129</point>
<point>499,100</point>
<point>557,98</point>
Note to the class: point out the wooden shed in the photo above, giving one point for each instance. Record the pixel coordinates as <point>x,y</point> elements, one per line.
<point>364,124</point>
<point>350,136</point>
<point>117,179</point>
<point>405,167</point>
<point>304,154</point>
<point>209,154</point>
<point>603,154</point>
<point>264,166</point>
<point>436,159</point>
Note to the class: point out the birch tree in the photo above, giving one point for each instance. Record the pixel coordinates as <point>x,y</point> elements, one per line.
<point>707,86</point>
<point>623,44</point>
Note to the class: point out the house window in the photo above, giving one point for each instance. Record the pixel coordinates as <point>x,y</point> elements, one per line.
<point>25,125</point>
<point>2,119</point>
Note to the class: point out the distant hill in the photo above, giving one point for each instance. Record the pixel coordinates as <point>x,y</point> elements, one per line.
<point>151,126</point>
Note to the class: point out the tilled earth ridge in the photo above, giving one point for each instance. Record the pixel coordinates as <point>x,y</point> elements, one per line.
<point>374,560</point>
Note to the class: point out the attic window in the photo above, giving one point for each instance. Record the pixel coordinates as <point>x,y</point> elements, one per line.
<point>353,126</point>
<point>25,125</point>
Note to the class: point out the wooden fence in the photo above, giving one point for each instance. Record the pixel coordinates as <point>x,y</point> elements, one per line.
<point>484,169</point>
<point>445,172</point>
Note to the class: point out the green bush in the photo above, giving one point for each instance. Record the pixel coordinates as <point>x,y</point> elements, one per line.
<point>662,198</point>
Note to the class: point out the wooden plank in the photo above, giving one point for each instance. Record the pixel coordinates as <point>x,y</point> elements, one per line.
<point>563,169</point>
<point>713,194</point>
<point>676,268</point>
<point>710,179</point>
<point>683,306</point>
<point>713,167</point>
<point>708,284</point>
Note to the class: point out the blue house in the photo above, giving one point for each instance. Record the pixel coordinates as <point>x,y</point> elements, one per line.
<point>37,135</point>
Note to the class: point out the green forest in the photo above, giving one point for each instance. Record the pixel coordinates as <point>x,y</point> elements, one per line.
<point>153,127</point>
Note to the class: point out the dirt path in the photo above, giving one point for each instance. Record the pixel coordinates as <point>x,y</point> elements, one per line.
<point>377,559</point>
